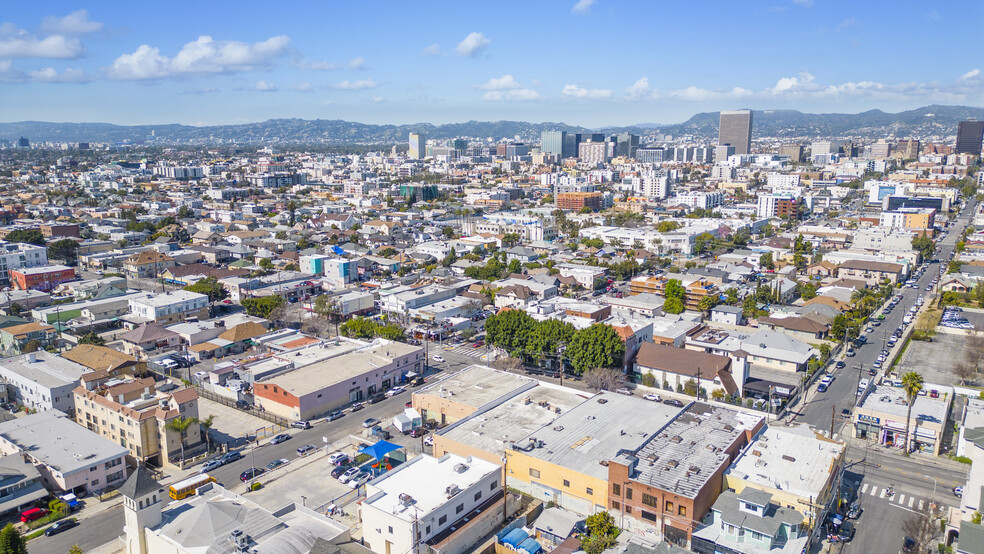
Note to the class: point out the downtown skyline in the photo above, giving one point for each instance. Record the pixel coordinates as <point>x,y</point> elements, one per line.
<point>590,63</point>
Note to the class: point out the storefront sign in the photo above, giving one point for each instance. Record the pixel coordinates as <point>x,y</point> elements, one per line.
<point>869,419</point>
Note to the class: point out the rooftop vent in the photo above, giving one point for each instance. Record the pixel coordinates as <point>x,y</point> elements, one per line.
<point>603,401</point>
<point>460,468</point>
<point>677,439</point>
<point>672,464</point>
<point>788,458</point>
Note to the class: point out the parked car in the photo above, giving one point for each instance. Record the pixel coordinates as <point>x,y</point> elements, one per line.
<point>357,406</point>
<point>210,465</point>
<point>429,440</point>
<point>338,471</point>
<point>32,514</point>
<point>243,405</point>
<point>370,422</point>
<point>958,492</point>
<point>854,511</point>
<point>60,526</point>
<point>305,450</point>
<point>376,399</point>
<point>438,359</point>
<point>349,474</point>
<point>337,457</point>
<point>478,344</point>
<point>652,397</point>
<point>301,424</point>
<point>277,463</point>
<point>395,391</point>
<point>674,402</point>
<point>282,437</point>
<point>417,432</point>
<point>359,480</point>
<point>231,457</point>
<point>624,391</point>
<point>251,473</point>
<point>335,415</point>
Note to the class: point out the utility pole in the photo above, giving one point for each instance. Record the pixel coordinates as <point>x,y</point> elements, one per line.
<point>698,382</point>
<point>833,412</point>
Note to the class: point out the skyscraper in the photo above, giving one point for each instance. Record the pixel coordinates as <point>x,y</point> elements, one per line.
<point>970,134</point>
<point>418,146</point>
<point>552,142</point>
<point>736,129</point>
<point>626,144</point>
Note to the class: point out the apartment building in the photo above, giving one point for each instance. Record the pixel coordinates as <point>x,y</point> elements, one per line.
<point>43,278</point>
<point>132,413</point>
<point>577,201</point>
<point>41,380</point>
<point>695,288</point>
<point>170,307</point>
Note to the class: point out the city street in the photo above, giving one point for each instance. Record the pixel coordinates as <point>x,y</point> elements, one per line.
<point>91,533</point>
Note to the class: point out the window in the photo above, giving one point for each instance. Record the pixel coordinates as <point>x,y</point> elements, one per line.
<point>427,529</point>
<point>628,509</point>
<point>567,483</point>
<point>478,495</point>
<point>459,508</point>
<point>617,489</point>
<point>668,507</point>
<point>390,529</point>
<point>535,473</point>
<point>615,505</point>
<point>681,510</point>
<point>628,493</point>
<point>589,490</point>
<point>493,485</point>
<point>442,520</point>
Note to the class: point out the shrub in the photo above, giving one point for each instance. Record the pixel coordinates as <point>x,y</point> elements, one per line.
<point>648,380</point>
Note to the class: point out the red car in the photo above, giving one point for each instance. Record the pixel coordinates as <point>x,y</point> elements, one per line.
<point>478,344</point>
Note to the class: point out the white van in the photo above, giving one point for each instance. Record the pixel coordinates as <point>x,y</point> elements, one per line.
<point>863,386</point>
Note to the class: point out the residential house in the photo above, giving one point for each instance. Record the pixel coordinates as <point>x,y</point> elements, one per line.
<point>749,522</point>
<point>147,264</point>
<point>680,369</point>
<point>802,328</point>
<point>149,338</point>
<point>773,350</point>
<point>41,380</point>
<point>872,273</point>
<point>15,338</point>
<point>233,341</point>
<point>170,307</point>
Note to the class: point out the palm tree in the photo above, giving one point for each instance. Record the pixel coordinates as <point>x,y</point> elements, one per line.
<point>912,383</point>
<point>180,425</point>
<point>206,425</point>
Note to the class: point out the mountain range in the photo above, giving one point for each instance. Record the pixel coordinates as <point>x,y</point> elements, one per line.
<point>927,121</point>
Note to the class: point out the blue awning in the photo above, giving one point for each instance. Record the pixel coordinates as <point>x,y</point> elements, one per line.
<point>515,537</point>
<point>530,545</point>
<point>337,250</point>
<point>380,449</point>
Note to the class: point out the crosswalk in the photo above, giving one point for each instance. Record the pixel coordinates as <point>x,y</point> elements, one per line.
<point>464,350</point>
<point>900,499</point>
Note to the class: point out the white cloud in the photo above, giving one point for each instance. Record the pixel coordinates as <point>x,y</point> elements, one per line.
<point>506,82</point>
<point>303,87</point>
<point>575,91</point>
<point>804,3</point>
<point>357,63</point>
<point>378,99</point>
<point>847,23</point>
<point>266,86</point>
<point>75,23</point>
<point>355,85</point>
<point>432,50</point>
<point>473,45</point>
<point>15,43</point>
<point>50,75</point>
<point>318,65</point>
<point>795,84</point>
<point>583,6</point>
<point>521,94</point>
<point>971,75</point>
<point>639,89</point>
<point>202,56</point>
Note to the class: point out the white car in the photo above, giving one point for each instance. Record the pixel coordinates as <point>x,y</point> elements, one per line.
<point>395,391</point>
<point>429,440</point>
<point>350,474</point>
<point>439,359</point>
<point>335,457</point>
<point>653,397</point>
<point>359,480</point>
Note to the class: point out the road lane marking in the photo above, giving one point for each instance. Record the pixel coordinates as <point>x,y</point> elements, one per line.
<point>911,500</point>
<point>920,504</point>
<point>901,499</point>
<point>864,489</point>
<point>874,491</point>
<point>882,495</point>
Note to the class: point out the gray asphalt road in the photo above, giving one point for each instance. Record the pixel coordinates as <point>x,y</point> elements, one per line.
<point>93,532</point>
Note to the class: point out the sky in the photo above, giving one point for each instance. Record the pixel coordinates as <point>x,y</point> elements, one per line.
<point>583,62</point>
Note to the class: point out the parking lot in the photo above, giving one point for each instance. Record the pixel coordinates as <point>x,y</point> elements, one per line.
<point>306,479</point>
<point>232,425</point>
<point>934,360</point>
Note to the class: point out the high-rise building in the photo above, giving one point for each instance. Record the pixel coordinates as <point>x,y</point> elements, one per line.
<point>970,134</point>
<point>460,144</point>
<point>907,149</point>
<point>23,143</point>
<point>418,146</point>
<point>736,129</point>
<point>553,142</point>
<point>593,152</point>
<point>794,151</point>
<point>626,144</point>
<point>578,138</point>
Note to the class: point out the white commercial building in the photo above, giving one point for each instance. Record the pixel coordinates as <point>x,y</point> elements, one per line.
<point>703,200</point>
<point>42,381</point>
<point>423,498</point>
<point>168,307</point>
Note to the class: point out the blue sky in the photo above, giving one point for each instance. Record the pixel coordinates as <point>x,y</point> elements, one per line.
<point>586,62</point>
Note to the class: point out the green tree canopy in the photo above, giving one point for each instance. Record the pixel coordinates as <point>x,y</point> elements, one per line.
<point>64,249</point>
<point>210,287</point>
<point>11,541</point>
<point>667,226</point>
<point>596,346</point>
<point>924,245</point>
<point>509,330</point>
<point>92,338</point>
<point>262,307</point>
<point>547,336</point>
<point>765,260</point>
<point>674,306</point>
<point>26,236</point>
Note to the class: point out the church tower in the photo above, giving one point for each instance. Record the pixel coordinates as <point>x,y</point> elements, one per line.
<point>143,498</point>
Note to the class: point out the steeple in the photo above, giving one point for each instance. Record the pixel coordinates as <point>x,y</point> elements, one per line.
<point>143,497</point>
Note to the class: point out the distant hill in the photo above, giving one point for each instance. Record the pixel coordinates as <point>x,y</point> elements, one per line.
<point>925,121</point>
